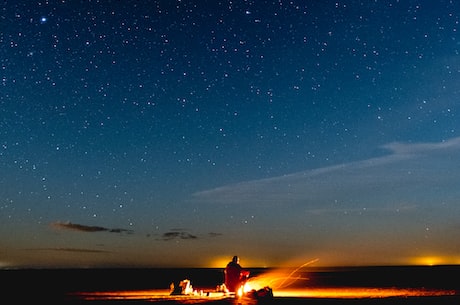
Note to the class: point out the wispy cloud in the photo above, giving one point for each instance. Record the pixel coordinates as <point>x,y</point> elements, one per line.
<point>407,174</point>
<point>79,250</point>
<point>214,234</point>
<point>177,234</point>
<point>399,148</point>
<point>85,228</point>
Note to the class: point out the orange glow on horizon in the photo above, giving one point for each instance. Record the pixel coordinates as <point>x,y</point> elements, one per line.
<point>219,262</point>
<point>433,260</point>
<point>425,260</point>
<point>222,261</point>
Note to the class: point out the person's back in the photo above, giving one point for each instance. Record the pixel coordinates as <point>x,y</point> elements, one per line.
<point>234,274</point>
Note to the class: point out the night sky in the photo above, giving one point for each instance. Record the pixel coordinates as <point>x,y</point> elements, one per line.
<point>181,133</point>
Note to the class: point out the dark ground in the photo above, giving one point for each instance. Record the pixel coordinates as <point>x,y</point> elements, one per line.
<point>447,300</point>
<point>56,286</point>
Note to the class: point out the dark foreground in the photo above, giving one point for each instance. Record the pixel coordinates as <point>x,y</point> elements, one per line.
<point>451,300</point>
<point>361,285</point>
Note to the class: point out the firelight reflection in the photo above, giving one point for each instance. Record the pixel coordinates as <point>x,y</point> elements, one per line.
<point>340,292</point>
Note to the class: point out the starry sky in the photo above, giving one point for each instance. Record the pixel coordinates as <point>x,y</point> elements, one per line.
<point>180,133</point>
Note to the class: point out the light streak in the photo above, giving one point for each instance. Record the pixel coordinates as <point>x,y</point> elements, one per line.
<point>278,278</point>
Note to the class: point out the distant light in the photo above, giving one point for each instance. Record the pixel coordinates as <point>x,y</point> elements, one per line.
<point>43,20</point>
<point>428,260</point>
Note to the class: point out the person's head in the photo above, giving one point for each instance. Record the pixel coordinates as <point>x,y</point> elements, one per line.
<point>235,259</point>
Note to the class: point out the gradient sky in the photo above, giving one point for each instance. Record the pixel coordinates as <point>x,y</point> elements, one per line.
<point>180,133</point>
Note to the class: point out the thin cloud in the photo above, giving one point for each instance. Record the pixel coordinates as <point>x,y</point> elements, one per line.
<point>214,234</point>
<point>405,176</point>
<point>78,250</point>
<point>177,234</point>
<point>183,234</point>
<point>399,148</point>
<point>85,228</point>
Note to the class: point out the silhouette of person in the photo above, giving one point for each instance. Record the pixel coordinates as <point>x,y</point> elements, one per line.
<point>235,275</point>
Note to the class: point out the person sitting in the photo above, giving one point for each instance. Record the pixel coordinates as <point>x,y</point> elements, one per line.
<point>235,275</point>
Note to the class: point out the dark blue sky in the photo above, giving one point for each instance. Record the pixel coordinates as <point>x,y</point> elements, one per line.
<point>163,133</point>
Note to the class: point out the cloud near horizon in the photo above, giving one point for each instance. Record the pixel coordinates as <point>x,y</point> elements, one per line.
<point>177,235</point>
<point>174,234</point>
<point>85,228</point>
<point>410,175</point>
<point>79,250</point>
